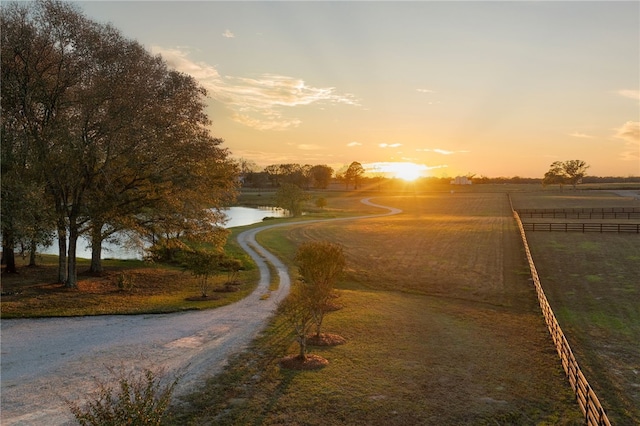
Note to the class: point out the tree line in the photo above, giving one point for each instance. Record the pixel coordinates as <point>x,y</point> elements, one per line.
<point>101,137</point>
<point>303,176</point>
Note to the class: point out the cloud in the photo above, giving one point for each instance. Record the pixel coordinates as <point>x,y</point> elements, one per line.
<point>441,151</point>
<point>228,34</point>
<point>425,91</point>
<point>580,135</point>
<point>259,102</point>
<point>389,145</point>
<point>633,94</point>
<point>629,131</point>
<point>354,143</point>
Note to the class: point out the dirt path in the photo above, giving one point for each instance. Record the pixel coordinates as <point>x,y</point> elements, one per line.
<point>44,361</point>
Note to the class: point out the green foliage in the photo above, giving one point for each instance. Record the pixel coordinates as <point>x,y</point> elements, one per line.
<point>202,263</point>
<point>291,197</point>
<point>321,202</point>
<point>136,401</point>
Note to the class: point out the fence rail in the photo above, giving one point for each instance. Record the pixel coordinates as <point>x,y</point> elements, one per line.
<point>580,215</point>
<point>594,413</point>
<point>522,212</point>
<point>583,227</point>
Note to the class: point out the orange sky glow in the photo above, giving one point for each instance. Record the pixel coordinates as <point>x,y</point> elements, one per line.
<point>415,88</point>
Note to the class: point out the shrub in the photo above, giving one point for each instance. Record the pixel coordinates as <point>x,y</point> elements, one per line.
<point>136,400</point>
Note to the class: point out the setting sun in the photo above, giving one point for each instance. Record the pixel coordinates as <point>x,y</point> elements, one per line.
<point>401,170</point>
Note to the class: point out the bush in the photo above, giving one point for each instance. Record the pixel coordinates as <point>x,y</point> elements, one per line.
<point>136,400</point>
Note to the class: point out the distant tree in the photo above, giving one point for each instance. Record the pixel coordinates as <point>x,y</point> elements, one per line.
<point>575,171</point>
<point>567,172</point>
<point>353,174</point>
<point>555,175</point>
<point>320,264</point>
<point>321,176</point>
<point>290,197</point>
<point>321,202</point>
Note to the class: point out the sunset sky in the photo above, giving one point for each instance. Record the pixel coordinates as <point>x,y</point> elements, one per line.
<point>490,88</point>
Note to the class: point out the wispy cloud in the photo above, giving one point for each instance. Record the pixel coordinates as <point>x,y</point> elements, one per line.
<point>354,143</point>
<point>425,91</point>
<point>441,151</point>
<point>580,135</point>
<point>228,34</point>
<point>630,132</point>
<point>632,94</point>
<point>260,102</point>
<point>389,145</point>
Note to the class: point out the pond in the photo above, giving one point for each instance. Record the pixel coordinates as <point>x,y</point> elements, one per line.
<point>237,216</point>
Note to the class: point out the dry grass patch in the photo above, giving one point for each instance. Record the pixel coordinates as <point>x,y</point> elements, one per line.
<point>32,292</point>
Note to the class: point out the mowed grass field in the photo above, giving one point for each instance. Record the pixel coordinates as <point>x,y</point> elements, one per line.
<point>441,321</point>
<point>592,282</point>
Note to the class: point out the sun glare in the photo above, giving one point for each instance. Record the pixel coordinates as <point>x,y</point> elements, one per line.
<point>401,170</point>
<point>408,171</point>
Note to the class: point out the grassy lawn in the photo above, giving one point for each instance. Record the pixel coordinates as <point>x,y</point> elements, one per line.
<point>441,322</point>
<point>591,281</point>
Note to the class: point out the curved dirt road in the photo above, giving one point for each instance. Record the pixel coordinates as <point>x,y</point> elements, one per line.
<point>44,361</point>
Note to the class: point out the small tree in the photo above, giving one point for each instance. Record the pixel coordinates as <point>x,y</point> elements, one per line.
<point>297,310</point>
<point>202,263</point>
<point>321,202</point>
<point>291,197</point>
<point>232,266</point>
<point>320,264</point>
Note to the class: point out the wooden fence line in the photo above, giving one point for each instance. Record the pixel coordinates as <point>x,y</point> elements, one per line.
<point>581,215</point>
<point>588,401</point>
<point>522,212</point>
<point>582,227</point>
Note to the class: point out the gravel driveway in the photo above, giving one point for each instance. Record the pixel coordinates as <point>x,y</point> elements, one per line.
<point>44,361</point>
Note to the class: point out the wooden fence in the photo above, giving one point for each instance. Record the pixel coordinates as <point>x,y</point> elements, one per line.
<point>580,215</point>
<point>594,413</point>
<point>523,212</point>
<point>582,227</point>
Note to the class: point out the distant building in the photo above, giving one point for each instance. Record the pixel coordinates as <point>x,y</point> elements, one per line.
<point>461,180</point>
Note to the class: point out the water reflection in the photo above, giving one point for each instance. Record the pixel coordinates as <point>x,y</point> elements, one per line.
<point>237,216</point>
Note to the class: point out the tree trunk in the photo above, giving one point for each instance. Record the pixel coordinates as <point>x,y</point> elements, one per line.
<point>72,270</point>
<point>33,246</point>
<point>302,340</point>
<point>62,252</point>
<point>96,249</point>
<point>8,255</point>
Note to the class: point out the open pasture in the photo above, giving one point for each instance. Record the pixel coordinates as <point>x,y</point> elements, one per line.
<point>592,281</point>
<point>441,321</point>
